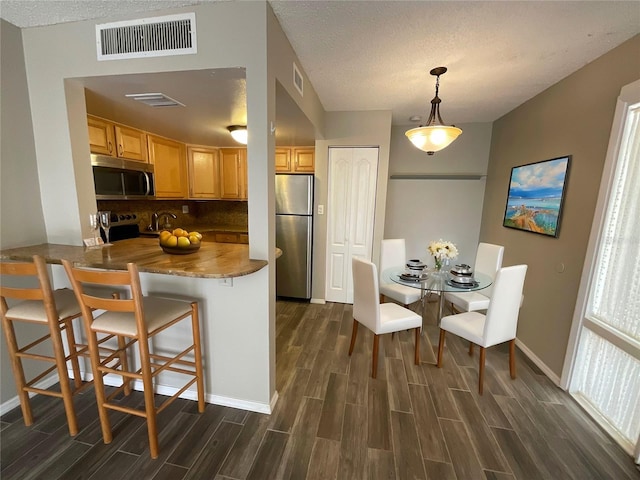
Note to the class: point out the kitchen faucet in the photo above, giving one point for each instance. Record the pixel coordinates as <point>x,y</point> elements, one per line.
<point>155,217</point>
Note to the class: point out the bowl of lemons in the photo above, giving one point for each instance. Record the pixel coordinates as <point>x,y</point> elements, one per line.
<point>180,241</point>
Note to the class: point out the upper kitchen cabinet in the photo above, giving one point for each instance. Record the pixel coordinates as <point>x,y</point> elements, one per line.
<point>295,159</point>
<point>233,173</point>
<point>204,172</point>
<point>109,138</point>
<point>170,161</point>
<point>283,160</point>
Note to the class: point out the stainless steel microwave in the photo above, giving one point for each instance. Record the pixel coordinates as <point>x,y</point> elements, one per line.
<point>121,179</point>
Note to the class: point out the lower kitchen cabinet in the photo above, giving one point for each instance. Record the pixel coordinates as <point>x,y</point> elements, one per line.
<point>226,237</point>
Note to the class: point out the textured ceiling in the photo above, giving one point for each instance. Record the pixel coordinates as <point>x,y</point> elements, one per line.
<point>376,55</point>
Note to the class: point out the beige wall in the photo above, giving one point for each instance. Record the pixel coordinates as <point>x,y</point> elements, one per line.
<point>573,117</point>
<point>20,207</point>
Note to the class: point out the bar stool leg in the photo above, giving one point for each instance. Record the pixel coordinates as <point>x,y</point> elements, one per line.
<point>18,372</point>
<point>73,352</point>
<point>65,387</point>
<point>197,350</point>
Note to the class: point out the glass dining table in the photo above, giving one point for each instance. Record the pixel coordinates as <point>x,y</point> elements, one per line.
<point>431,281</point>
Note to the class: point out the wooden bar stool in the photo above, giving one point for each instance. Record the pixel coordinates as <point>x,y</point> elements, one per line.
<point>35,302</point>
<point>139,319</point>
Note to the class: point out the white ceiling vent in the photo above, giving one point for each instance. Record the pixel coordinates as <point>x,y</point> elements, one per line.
<point>155,99</point>
<point>147,37</point>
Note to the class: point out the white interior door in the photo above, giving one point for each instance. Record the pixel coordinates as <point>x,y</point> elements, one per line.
<point>603,367</point>
<point>353,175</point>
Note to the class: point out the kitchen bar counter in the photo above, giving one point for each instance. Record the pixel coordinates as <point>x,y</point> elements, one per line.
<point>212,260</point>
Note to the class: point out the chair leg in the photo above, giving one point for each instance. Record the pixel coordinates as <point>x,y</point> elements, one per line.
<point>470,348</point>
<point>440,347</point>
<point>149,400</point>
<point>98,385</point>
<point>481,370</point>
<point>124,363</point>
<point>512,358</point>
<point>73,352</point>
<point>197,351</point>
<point>354,332</point>
<point>374,366</point>
<point>18,371</point>
<point>63,377</point>
<point>417,359</point>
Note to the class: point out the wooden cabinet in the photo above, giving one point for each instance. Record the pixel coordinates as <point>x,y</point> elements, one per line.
<point>295,159</point>
<point>109,138</point>
<point>225,237</point>
<point>233,173</point>
<point>283,160</point>
<point>101,136</point>
<point>170,161</point>
<point>303,160</point>
<point>131,143</point>
<point>204,172</point>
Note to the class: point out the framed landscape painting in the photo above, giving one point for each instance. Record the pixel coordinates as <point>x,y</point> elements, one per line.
<point>536,194</point>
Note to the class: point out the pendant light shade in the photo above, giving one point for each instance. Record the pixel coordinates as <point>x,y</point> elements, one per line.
<point>434,135</point>
<point>239,133</point>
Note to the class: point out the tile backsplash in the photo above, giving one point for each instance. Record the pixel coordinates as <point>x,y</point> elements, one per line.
<point>214,213</point>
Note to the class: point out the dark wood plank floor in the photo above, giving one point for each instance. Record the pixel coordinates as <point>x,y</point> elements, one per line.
<point>333,421</point>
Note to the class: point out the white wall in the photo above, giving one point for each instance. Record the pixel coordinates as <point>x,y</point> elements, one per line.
<point>422,210</point>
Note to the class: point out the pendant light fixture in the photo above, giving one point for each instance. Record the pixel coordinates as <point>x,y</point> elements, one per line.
<point>434,135</point>
<point>239,133</point>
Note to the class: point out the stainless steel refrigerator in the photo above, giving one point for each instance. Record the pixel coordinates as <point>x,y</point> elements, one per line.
<point>294,234</point>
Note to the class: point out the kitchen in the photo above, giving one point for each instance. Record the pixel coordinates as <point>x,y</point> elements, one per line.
<point>199,169</point>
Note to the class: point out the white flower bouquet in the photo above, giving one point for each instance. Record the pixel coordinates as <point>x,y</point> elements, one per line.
<point>442,250</point>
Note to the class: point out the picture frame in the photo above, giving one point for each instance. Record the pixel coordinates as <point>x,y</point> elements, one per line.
<point>536,196</point>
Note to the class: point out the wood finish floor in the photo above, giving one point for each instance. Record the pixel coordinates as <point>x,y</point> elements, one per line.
<point>333,421</point>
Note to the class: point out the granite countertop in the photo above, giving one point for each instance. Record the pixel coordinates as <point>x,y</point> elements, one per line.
<point>212,260</point>
<point>202,229</point>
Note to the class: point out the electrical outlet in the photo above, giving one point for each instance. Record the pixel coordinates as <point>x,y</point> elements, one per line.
<point>320,209</point>
<point>185,208</point>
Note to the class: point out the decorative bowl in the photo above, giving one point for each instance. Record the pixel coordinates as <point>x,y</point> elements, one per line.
<point>181,250</point>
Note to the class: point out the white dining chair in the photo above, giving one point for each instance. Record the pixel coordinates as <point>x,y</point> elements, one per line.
<point>393,254</point>
<point>488,262</point>
<point>379,318</point>
<point>497,326</point>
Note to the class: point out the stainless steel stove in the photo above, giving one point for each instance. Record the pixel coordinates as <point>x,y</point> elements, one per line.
<point>123,225</point>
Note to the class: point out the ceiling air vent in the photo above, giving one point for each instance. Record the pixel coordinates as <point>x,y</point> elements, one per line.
<point>147,37</point>
<point>155,99</point>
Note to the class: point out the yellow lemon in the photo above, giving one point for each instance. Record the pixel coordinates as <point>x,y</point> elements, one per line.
<point>183,242</point>
<point>178,232</point>
<point>196,234</point>
<point>194,239</point>
<point>171,241</point>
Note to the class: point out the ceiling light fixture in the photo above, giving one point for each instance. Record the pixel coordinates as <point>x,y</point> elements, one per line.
<point>239,133</point>
<point>432,136</point>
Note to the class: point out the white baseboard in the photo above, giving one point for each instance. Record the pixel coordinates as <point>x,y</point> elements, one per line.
<point>15,401</point>
<point>539,363</point>
<point>116,381</point>
<point>319,301</point>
